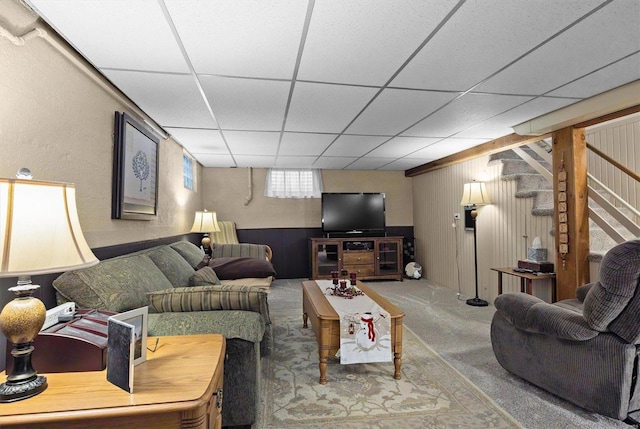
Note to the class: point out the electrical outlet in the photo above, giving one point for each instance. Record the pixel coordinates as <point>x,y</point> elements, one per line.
<point>53,314</point>
<point>456,216</point>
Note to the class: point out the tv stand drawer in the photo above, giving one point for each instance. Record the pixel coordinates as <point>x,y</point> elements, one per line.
<point>355,258</point>
<point>361,270</point>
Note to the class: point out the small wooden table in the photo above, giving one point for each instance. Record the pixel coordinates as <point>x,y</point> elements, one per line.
<point>179,386</point>
<point>325,323</point>
<point>526,280</point>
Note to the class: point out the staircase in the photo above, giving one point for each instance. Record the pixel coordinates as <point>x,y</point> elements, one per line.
<point>531,184</point>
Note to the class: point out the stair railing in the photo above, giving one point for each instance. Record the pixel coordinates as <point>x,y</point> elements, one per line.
<point>596,196</point>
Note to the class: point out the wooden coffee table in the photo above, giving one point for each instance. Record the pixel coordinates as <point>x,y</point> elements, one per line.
<point>325,323</point>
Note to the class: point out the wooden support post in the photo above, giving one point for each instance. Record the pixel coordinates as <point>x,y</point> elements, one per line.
<point>571,210</point>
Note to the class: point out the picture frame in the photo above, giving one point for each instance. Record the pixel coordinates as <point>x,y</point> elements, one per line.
<point>135,170</point>
<point>120,351</point>
<point>138,318</point>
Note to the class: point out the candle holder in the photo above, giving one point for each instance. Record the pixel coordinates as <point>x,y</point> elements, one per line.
<point>352,278</point>
<point>343,284</point>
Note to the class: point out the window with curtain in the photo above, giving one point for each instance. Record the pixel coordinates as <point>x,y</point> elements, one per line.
<point>187,171</point>
<point>293,183</point>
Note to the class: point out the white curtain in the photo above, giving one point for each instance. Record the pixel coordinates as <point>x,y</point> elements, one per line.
<point>293,183</point>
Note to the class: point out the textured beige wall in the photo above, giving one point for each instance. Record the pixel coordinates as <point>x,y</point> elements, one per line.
<point>59,123</point>
<point>227,189</point>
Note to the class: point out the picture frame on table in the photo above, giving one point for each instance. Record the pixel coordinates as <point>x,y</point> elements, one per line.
<point>135,170</point>
<point>126,346</point>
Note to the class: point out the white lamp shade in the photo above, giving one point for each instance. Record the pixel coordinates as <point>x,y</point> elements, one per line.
<point>205,222</point>
<point>474,193</point>
<point>40,229</point>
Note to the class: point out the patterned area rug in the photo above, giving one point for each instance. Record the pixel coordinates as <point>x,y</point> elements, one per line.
<point>431,393</point>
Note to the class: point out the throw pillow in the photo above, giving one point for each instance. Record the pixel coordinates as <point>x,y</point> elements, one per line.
<point>208,298</point>
<point>204,276</point>
<point>241,267</point>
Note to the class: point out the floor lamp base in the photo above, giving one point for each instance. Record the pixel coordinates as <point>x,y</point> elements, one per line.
<point>477,302</point>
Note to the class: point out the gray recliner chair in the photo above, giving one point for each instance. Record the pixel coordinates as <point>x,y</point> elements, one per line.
<point>584,350</point>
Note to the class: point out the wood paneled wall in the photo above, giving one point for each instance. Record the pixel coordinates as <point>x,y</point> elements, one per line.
<point>620,140</point>
<point>505,229</point>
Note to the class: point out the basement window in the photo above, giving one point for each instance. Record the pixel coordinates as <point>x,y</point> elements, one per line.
<point>187,171</point>
<point>293,183</point>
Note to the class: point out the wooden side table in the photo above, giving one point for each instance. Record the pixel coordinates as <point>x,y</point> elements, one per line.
<point>179,386</point>
<point>526,280</point>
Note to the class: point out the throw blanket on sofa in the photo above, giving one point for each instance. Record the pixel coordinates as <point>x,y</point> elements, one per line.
<point>365,328</point>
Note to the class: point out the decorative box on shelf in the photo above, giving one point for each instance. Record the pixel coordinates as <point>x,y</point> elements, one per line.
<point>540,267</point>
<point>79,344</point>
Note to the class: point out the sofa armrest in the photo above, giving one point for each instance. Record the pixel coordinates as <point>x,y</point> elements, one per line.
<point>533,315</point>
<point>210,298</point>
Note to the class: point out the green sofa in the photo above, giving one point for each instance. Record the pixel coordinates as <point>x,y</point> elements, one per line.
<point>182,301</point>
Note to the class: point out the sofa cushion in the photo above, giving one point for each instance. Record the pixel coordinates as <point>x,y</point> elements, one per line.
<point>117,284</point>
<point>207,298</point>
<point>189,251</point>
<point>258,251</point>
<point>245,325</point>
<point>174,266</point>
<point>241,267</point>
<point>204,276</point>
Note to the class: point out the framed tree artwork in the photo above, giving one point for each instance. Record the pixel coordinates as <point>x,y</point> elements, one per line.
<point>135,170</point>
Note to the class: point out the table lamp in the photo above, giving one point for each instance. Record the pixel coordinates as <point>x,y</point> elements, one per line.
<point>40,234</point>
<point>206,222</point>
<point>475,194</point>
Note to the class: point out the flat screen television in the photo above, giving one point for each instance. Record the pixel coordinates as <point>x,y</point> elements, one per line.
<point>353,214</point>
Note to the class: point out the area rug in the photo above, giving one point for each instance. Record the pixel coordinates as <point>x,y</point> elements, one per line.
<point>431,393</point>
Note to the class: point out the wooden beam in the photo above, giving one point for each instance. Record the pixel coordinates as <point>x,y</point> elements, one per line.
<point>497,145</point>
<point>571,211</point>
<point>609,117</point>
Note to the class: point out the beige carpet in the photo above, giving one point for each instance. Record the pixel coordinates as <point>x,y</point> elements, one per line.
<point>431,393</point>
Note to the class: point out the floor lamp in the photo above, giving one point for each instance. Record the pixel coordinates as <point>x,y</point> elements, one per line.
<point>475,194</point>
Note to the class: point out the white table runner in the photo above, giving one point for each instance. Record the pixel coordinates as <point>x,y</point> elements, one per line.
<point>365,328</point>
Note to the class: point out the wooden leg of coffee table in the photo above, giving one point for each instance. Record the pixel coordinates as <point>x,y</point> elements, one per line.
<point>397,362</point>
<point>324,344</point>
<point>397,347</point>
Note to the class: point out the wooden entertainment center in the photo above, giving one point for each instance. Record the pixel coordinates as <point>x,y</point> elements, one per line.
<point>369,257</point>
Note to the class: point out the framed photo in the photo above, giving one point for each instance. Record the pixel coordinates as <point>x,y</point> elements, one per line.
<point>135,170</point>
<point>138,319</point>
<point>120,351</point>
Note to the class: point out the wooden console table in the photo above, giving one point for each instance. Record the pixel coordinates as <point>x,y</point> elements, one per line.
<point>179,386</point>
<point>526,280</point>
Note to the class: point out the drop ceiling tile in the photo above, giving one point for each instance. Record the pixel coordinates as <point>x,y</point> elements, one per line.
<point>502,124</point>
<point>463,113</point>
<point>171,100</point>
<point>404,164</point>
<point>617,74</point>
<point>199,141</point>
<point>295,161</point>
<point>354,145</point>
<point>369,163</point>
<point>300,144</point>
<point>258,161</point>
<point>240,37</point>
<point>365,42</point>
<point>394,110</point>
<point>325,108</point>
<point>401,146</point>
<point>104,31</point>
<point>247,104</point>
<point>252,142</point>
<point>479,40</point>
<point>445,148</point>
<point>220,161</point>
<point>333,162</point>
<point>608,35</point>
